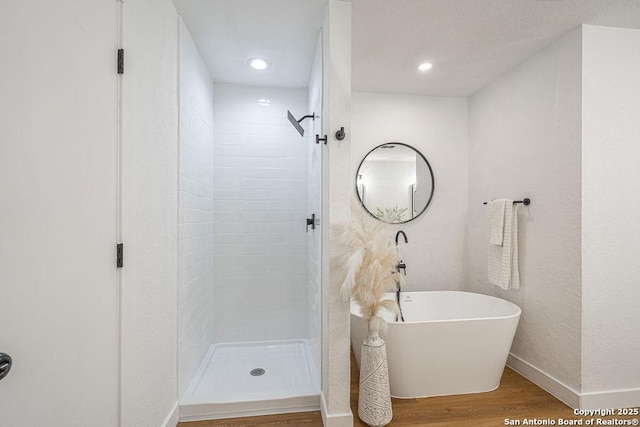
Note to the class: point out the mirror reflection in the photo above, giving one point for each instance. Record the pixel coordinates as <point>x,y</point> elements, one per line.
<point>395,183</point>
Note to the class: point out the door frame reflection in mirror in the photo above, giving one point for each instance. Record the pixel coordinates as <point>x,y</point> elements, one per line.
<point>411,207</point>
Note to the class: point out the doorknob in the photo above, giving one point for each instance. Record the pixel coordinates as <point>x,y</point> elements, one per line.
<point>5,365</point>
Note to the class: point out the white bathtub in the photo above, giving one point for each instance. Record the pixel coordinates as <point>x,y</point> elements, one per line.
<point>450,342</point>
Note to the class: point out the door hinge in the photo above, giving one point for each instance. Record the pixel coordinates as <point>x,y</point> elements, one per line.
<point>119,255</point>
<point>120,61</point>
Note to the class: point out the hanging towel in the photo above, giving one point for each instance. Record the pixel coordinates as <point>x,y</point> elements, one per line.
<point>495,221</point>
<point>503,260</point>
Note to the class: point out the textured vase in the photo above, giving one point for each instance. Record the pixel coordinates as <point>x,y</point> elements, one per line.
<point>374,400</point>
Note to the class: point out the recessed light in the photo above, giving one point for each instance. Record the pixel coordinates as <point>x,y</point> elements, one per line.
<point>264,102</point>
<point>425,66</point>
<point>259,64</point>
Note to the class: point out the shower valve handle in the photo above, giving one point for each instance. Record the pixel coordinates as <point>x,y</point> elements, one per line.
<point>311,222</point>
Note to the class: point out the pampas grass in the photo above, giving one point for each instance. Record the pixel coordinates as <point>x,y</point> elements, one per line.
<point>369,259</point>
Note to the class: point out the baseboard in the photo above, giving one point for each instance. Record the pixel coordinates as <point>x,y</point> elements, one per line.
<point>545,381</point>
<point>629,398</point>
<point>173,417</point>
<point>334,420</point>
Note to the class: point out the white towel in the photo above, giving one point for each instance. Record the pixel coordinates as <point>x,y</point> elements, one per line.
<point>503,260</point>
<point>495,221</point>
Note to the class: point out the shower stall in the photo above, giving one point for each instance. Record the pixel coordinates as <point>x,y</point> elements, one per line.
<point>249,314</point>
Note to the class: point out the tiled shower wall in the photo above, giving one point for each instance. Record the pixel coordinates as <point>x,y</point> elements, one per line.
<point>260,207</point>
<point>195,216</point>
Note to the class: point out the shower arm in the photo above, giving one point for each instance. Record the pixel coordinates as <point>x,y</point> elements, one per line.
<point>308,116</point>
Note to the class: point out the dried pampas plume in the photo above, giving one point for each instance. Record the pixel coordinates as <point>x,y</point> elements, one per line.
<point>369,259</point>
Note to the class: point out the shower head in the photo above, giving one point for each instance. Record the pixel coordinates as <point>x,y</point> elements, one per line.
<point>296,123</point>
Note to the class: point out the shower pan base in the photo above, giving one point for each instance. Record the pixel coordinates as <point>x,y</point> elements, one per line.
<point>257,378</point>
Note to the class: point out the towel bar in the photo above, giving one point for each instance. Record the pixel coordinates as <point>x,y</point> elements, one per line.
<point>525,201</point>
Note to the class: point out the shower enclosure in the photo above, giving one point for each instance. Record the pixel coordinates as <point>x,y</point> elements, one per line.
<point>249,257</point>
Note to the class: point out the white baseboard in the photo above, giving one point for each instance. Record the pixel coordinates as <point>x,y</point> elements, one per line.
<point>545,381</point>
<point>611,399</point>
<point>334,420</point>
<point>173,417</point>
<point>629,398</point>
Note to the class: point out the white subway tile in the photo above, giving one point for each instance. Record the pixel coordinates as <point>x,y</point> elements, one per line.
<point>229,172</point>
<point>275,173</point>
<point>188,215</point>
<point>189,200</point>
<point>277,216</point>
<point>239,227</point>
<point>230,237</point>
<point>260,206</point>
<point>229,216</point>
<point>276,184</point>
<point>229,205</point>
<point>233,282</point>
<point>189,185</point>
<point>288,206</point>
<point>227,194</point>
<point>288,270</point>
<point>224,271</point>
<point>243,249</point>
<point>230,150</point>
<point>289,195</point>
<point>195,229</point>
<point>266,238</point>
<point>278,283</point>
<point>228,183</point>
<point>239,260</point>
<point>200,130</point>
<point>287,260</point>
<point>188,259</point>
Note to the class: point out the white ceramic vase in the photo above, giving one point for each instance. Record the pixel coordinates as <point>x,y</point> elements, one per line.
<point>374,400</point>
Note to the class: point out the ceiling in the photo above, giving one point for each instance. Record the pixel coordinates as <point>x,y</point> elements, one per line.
<point>469,42</point>
<point>230,32</point>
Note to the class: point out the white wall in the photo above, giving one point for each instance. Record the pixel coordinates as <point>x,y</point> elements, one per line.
<point>525,141</point>
<point>149,200</point>
<point>610,206</point>
<point>260,208</point>
<point>195,214</point>
<point>437,127</point>
<point>336,190</point>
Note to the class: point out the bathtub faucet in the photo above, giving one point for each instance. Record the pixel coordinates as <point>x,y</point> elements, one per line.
<point>403,234</point>
<point>401,266</point>
<point>400,316</point>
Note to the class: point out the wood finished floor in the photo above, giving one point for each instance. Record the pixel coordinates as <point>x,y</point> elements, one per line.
<point>517,398</point>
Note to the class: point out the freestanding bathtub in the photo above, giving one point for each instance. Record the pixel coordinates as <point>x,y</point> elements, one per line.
<point>450,343</point>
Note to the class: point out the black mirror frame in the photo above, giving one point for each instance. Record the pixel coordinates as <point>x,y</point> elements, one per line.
<point>433,187</point>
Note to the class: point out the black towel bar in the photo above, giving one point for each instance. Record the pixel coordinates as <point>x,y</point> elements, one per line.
<point>524,201</point>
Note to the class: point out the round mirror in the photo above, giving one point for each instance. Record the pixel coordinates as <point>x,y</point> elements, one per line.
<point>395,182</point>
